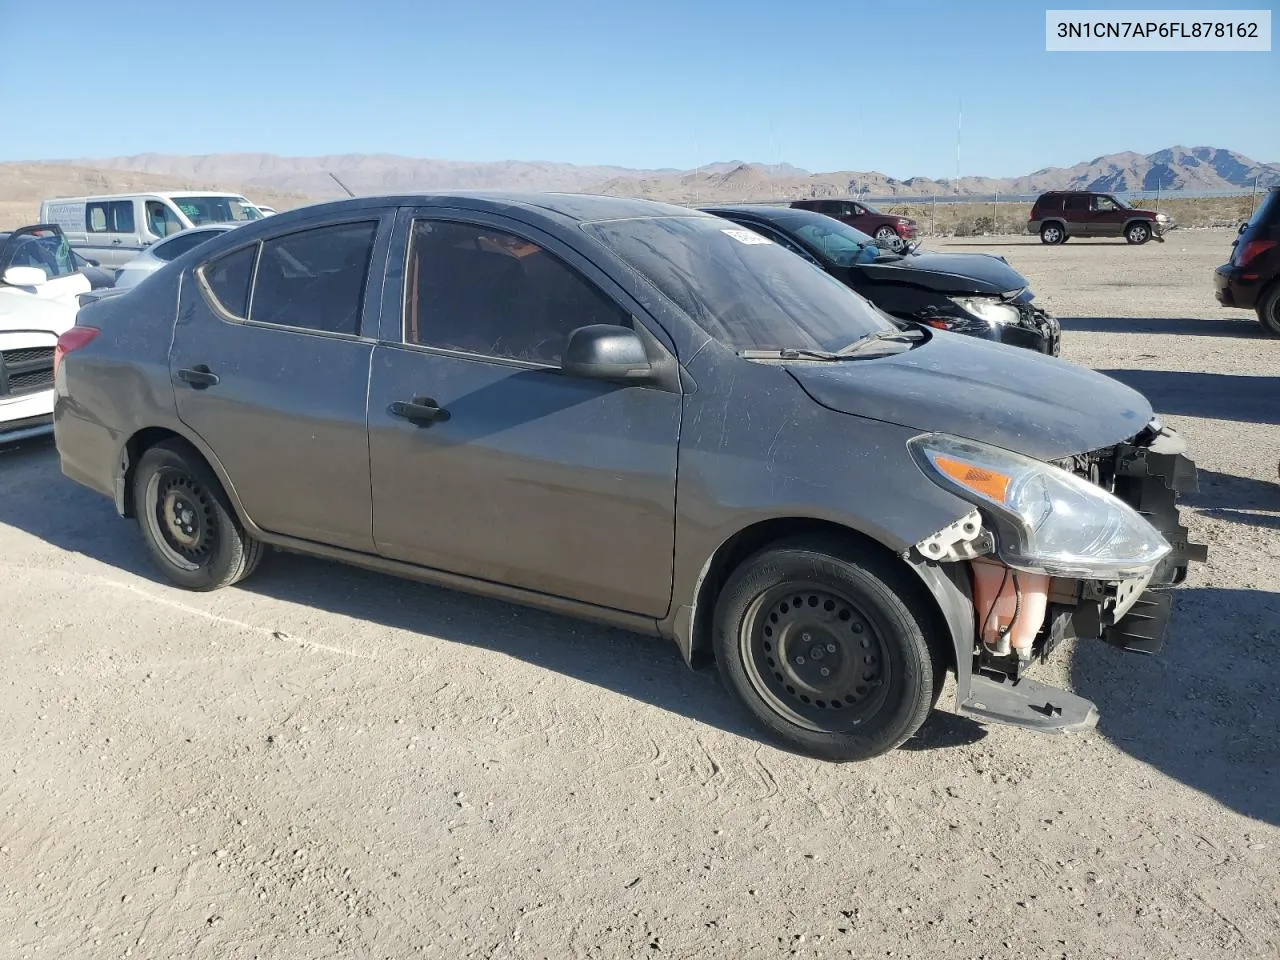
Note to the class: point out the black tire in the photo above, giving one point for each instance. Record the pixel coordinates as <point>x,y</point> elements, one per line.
<point>191,531</point>
<point>1053,234</point>
<point>858,619</point>
<point>1269,311</point>
<point>1138,232</point>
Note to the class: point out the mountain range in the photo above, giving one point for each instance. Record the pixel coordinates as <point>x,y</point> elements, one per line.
<point>289,181</point>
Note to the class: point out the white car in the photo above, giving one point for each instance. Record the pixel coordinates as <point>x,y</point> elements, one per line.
<point>39,289</point>
<point>158,254</point>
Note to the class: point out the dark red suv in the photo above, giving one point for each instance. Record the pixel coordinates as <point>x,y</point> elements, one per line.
<point>1060,214</point>
<point>882,226</point>
<point>1251,279</point>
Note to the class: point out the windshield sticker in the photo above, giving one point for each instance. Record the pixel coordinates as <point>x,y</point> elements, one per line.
<point>746,236</point>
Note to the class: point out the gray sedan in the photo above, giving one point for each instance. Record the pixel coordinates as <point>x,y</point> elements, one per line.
<point>643,415</point>
<point>162,251</point>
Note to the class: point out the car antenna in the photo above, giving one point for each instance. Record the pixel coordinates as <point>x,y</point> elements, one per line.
<point>341,184</point>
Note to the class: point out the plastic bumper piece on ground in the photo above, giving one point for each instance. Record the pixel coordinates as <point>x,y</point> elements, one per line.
<point>1026,703</point>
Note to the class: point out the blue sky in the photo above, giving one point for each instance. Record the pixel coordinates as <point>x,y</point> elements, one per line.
<point>823,85</point>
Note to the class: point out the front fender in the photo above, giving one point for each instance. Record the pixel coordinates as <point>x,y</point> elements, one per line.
<point>950,586</point>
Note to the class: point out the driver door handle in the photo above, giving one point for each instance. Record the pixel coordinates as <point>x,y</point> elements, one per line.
<point>422,411</point>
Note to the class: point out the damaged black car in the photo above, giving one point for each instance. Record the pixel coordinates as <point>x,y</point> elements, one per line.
<point>976,294</point>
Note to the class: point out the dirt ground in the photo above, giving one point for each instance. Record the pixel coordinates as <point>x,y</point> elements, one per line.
<point>328,763</point>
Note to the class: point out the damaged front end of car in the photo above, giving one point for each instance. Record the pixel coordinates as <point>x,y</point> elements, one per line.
<point>1084,547</point>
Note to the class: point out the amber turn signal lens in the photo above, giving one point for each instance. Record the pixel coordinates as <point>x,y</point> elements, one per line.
<point>990,484</point>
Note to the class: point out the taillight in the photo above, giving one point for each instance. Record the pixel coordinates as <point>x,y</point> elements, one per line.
<point>1252,249</point>
<point>73,339</point>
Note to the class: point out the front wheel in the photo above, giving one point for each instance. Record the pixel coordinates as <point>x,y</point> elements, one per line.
<point>1269,311</point>
<point>1138,232</point>
<point>192,533</point>
<point>886,234</point>
<point>826,649</point>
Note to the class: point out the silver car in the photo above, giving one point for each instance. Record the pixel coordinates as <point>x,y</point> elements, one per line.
<point>170,248</point>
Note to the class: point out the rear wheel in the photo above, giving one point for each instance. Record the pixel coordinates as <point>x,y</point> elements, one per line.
<point>1269,311</point>
<point>192,533</point>
<point>826,650</point>
<point>1138,232</point>
<point>1052,233</point>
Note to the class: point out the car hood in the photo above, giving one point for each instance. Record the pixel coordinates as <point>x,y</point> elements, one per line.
<point>22,311</point>
<point>1024,401</point>
<point>948,272</point>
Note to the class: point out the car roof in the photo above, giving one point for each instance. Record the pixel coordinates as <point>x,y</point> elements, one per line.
<point>170,194</point>
<point>576,207</point>
<point>764,212</point>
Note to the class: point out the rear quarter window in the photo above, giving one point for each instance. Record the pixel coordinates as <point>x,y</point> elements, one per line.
<point>228,280</point>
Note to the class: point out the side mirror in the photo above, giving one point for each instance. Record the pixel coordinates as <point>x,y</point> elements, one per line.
<point>1243,227</point>
<point>24,276</point>
<point>603,351</point>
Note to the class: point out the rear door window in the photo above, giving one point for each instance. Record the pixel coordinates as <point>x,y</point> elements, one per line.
<point>315,279</point>
<point>109,216</point>
<point>1076,204</point>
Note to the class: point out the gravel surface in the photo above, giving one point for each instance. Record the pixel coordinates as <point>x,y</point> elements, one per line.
<point>329,763</point>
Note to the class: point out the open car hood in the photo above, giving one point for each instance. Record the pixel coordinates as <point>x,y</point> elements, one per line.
<point>1024,401</point>
<point>955,273</point>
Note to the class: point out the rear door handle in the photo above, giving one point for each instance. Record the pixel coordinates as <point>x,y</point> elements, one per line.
<point>198,376</point>
<point>422,411</point>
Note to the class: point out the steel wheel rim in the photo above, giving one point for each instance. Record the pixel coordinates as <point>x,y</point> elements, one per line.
<point>1139,232</point>
<point>1052,234</point>
<point>884,233</point>
<point>785,647</point>
<point>180,518</point>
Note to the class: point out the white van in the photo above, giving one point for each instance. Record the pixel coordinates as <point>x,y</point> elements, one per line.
<point>113,229</point>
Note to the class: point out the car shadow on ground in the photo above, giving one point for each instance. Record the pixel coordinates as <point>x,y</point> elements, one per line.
<point>1205,711</point>
<point>39,501</point>
<point>1234,327</point>
<point>1218,396</point>
<point>1225,496</point>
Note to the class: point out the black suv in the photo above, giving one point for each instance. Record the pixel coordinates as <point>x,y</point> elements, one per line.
<point>1251,278</point>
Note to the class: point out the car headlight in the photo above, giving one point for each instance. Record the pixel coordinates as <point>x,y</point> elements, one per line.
<point>1162,218</point>
<point>1046,519</point>
<point>992,311</point>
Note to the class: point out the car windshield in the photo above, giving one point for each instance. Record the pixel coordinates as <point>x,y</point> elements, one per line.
<point>47,250</point>
<point>1119,203</point>
<point>838,242</point>
<point>868,207</point>
<point>741,288</point>
<point>202,210</point>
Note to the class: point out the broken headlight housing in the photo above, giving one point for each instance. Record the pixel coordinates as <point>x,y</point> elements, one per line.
<point>987,308</point>
<point>1045,519</point>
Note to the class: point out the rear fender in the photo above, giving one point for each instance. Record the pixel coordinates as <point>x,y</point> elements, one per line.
<point>137,444</point>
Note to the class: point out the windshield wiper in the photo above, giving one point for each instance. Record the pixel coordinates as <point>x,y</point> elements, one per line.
<point>790,353</point>
<point>863,344</point>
